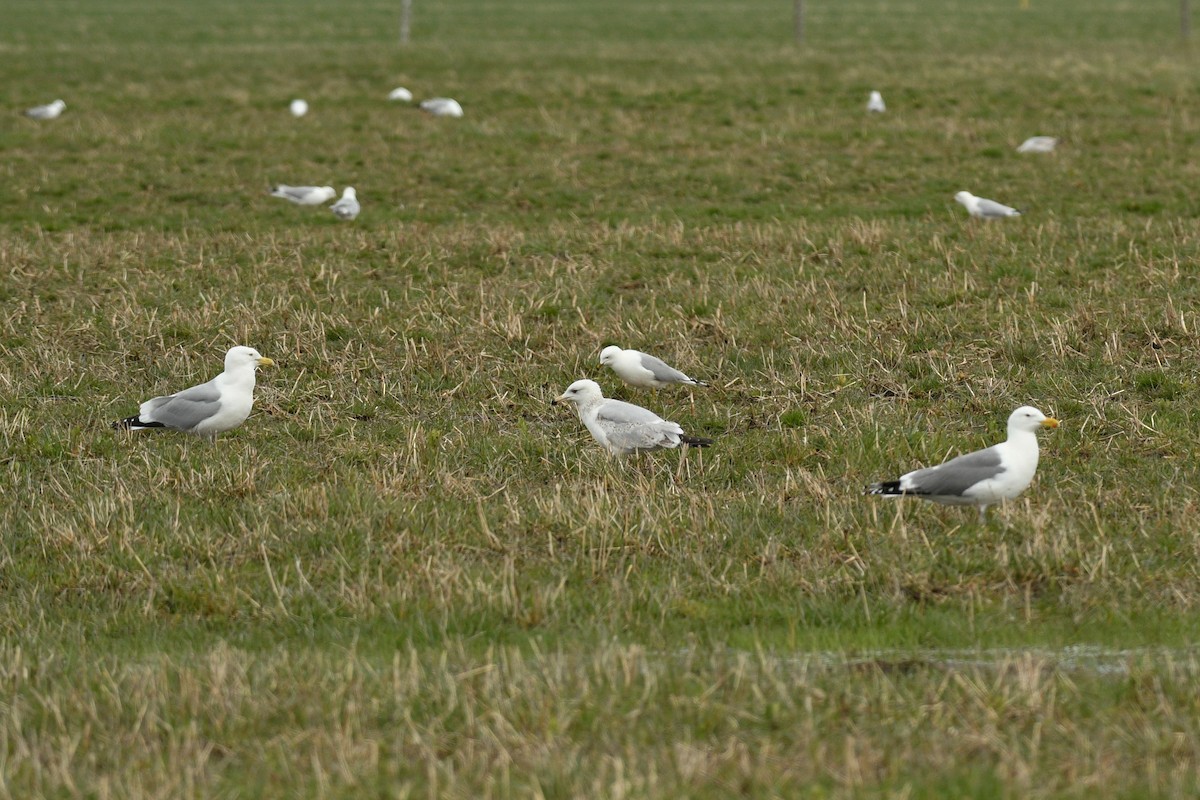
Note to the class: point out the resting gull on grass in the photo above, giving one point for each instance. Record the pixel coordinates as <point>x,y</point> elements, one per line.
<point>640,369</point>
<point>210,408</point>
<point>442,107</point>
<point>48,111</point>
<point>347,207</point>
<point>980,479</point>
<point>623,428</point>
<point>983,208</point>
<point>875,103</point>
<point>1038,144</point>
<point>304,195</point>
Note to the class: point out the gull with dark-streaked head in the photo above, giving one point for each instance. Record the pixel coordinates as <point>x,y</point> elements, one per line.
<point>304,195</point>
<point>623,428</point>
<point>220,405</point>
<point>984,208</point>
<point>641,369</point>
<point>983,478</point>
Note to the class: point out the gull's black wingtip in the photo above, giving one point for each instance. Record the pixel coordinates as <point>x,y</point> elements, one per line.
<point>884,487</point>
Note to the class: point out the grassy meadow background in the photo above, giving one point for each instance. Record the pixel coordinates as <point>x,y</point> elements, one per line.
<point>407,575</point>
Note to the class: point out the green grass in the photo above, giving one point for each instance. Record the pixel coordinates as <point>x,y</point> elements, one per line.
<point>408,575</point>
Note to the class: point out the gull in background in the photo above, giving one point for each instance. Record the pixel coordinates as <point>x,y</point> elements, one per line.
<point>875,104</point>
<point>401,94</point>
<point>641,369</point>
<point>347,207</point>
<point>623,428</point>
<point>442,107</point>
<point>983,208</point>
<point>1038,144</point>
<point>298,108</point>
<point>980,479</point>
<point>220,405</point>
<point>48,111</point>
<point>304,195</point>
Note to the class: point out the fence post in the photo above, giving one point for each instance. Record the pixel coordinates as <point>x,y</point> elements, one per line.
<point>798,20</point>
<point>1185,18</point>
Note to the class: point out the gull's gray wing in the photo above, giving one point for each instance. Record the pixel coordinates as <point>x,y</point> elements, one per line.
<point>346,207</point>
<point>293,193</point>
<point>957,475</point>
<point>663,371</point>
<point>184,410</point>
<point>990,208</point>
<point>630,427</point>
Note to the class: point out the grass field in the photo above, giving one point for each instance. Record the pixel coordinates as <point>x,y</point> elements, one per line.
<point>407,575</point>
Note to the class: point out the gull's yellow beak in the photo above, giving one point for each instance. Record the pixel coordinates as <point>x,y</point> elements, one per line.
<point>1049,422</point>
<point>263,361</point>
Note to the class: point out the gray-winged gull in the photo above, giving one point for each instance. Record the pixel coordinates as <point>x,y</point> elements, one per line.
<point>1000,472</point>
<point>210,408</point>
<point>623,428</point>
<point>983,208</point>
<point>641,369</point>
<point>347,207</point>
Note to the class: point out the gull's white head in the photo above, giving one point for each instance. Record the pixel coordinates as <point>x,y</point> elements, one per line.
<point>350,193</point>
<point>1028,418</point>
<point>59,104</point>
<point>580,393</point>
<point>245,357</point>
<point>964,197</point>
<point>609,353</point>
<point>329,192</point>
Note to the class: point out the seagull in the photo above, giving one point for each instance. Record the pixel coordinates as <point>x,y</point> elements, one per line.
<point>298,108</point>
<point>347,207</point>
<point>210,408</point>
<point>48,111</point>
<point>640,369</point>
<point>1000,472</point>
<point>985,209</point>
<point>875,103</point>
<point>1038,144</point>
<point>442,107</point>
<point>304,195</point>
<point>623,428</point>
<point>401,94</point>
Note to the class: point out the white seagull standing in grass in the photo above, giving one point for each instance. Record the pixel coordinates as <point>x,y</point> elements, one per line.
<point>983,208</point>
<point>623,428</point>
<point>304,195</point>
<point>347,207</point>
<point>210,408</point>
<point>641,369</point>
<point>875,103</point>
<point>980,479</point>
<point>401,94</point>
<point>48,111</point>
<point>442,107</point>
